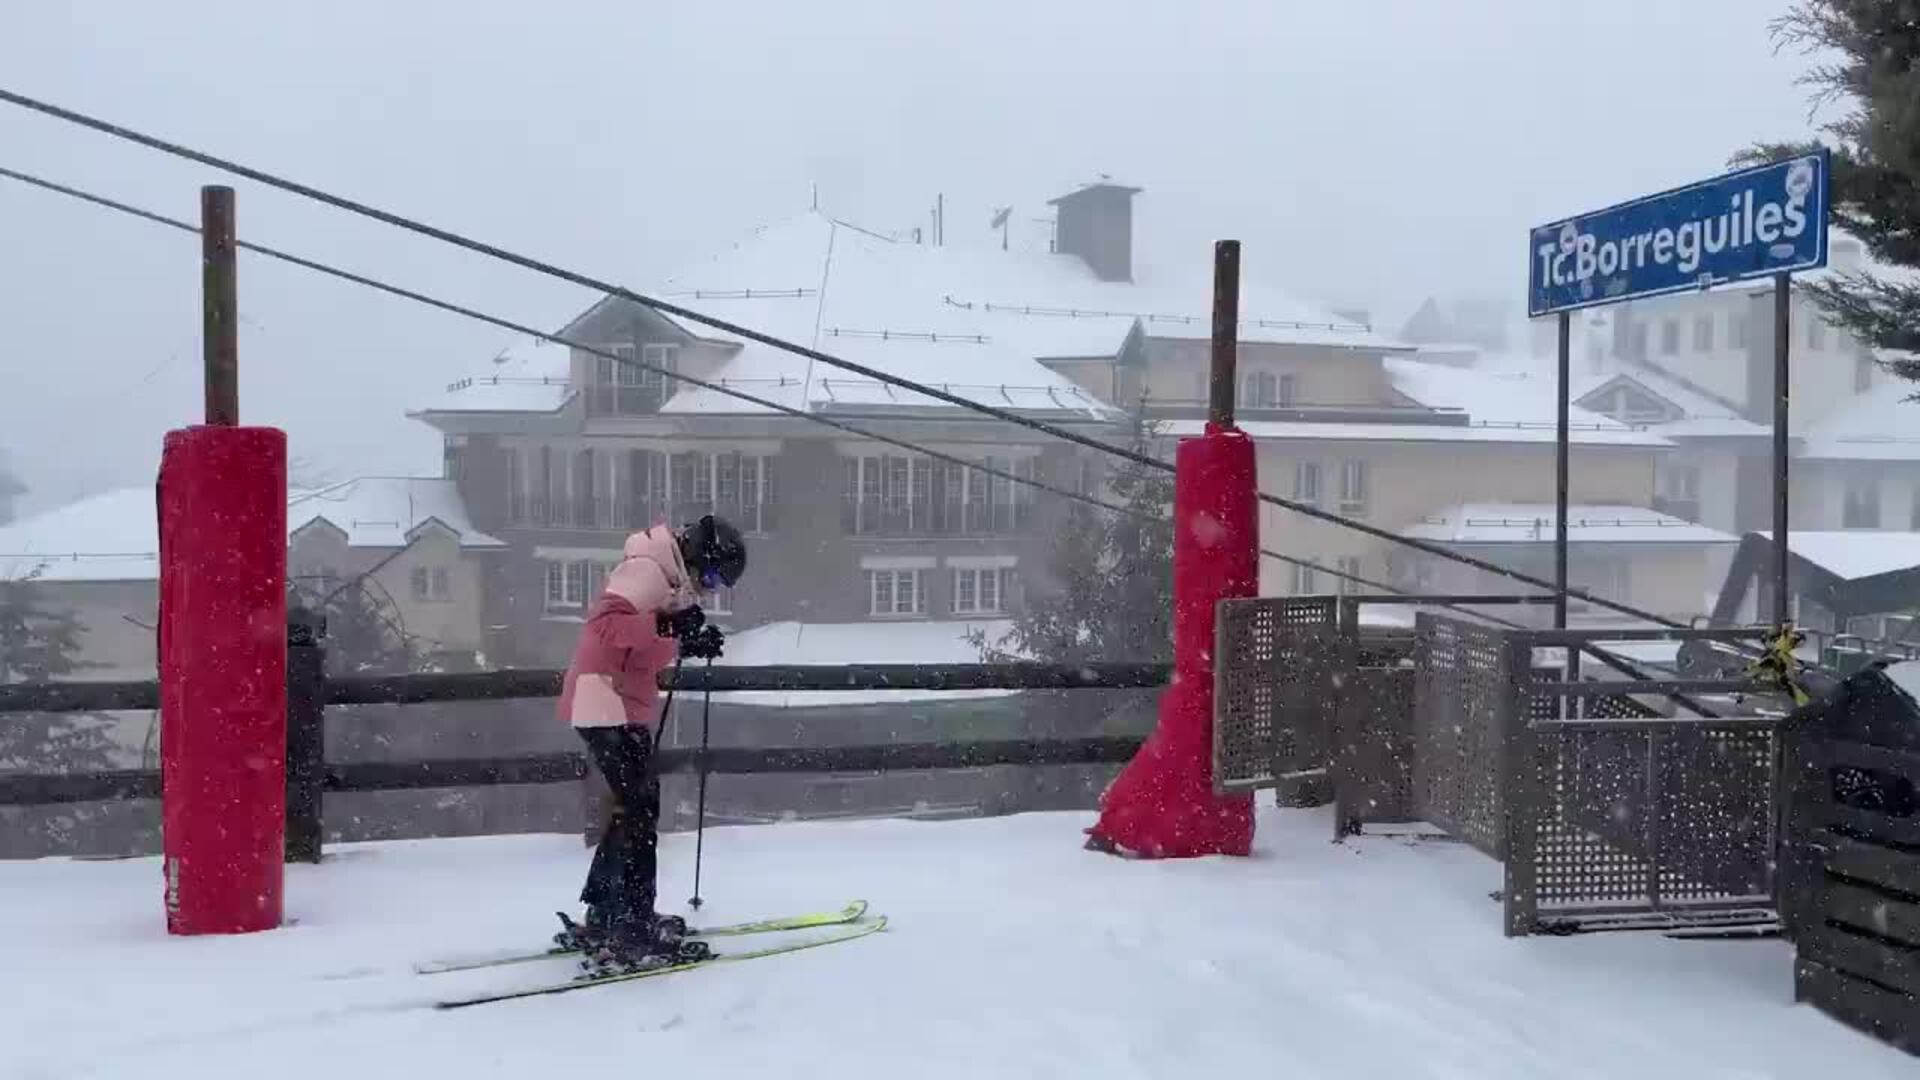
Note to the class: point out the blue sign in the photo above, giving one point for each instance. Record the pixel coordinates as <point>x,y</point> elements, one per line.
<point>1753,223</point>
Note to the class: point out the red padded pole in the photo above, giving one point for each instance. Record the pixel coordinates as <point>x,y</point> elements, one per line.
<point>223,683</point>
<point>1162,805</point>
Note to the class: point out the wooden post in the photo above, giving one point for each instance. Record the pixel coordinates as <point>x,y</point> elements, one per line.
<point>306,733</point>
<point>1226,333</point>
<point>219,301</point>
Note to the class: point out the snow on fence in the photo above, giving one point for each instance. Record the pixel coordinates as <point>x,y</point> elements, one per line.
<point>311,691</point>
<point>1605,811</point>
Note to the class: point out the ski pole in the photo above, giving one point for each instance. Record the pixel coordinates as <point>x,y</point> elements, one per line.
<point>700,814</point>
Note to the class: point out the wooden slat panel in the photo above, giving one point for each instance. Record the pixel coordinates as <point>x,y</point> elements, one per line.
<point>1886,964</point>
<point>1887,867</point>
<point>1880,913</point>
<point>1891,1017</point>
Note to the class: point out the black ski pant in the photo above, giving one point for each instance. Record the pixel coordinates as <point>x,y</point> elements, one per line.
<point>620,883</point>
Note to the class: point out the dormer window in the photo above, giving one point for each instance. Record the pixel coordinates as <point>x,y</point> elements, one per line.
<point>624,387</point>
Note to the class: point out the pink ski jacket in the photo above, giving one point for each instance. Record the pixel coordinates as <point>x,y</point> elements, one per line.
<point>613,677</point>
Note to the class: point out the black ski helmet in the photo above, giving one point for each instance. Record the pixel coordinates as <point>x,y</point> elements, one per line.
<point>714,551</point>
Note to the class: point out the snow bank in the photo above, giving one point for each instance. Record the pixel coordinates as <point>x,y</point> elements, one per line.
<point>1011,953</point>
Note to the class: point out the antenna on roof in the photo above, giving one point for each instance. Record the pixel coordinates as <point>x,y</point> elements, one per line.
<point>1000,219</point>
<point>816,194</point>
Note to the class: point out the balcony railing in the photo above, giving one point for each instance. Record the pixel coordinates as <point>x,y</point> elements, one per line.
<point>880,516</point>
<point>629,514</point>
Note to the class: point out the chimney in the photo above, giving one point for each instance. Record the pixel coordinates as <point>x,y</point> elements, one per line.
<point>1096,223</point>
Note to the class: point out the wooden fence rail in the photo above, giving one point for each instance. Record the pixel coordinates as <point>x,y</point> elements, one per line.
<point>310,691</point>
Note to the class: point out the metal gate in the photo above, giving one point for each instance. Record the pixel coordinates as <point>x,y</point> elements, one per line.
<point>1272,700</point>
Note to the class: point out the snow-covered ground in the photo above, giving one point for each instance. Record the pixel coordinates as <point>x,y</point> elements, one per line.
<point>1011,953</point>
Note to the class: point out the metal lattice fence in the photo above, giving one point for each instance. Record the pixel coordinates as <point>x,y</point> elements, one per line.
<point>1646,819</point>
<point>1463,705</point>
<point>1273,658</point>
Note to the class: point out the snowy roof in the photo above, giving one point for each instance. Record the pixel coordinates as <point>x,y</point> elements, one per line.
<point>976,321</point>
<point>879,642</point>
<point>1906,676</point>
<point>1855,553</point>
<point>530,375</point>
<point>1510,523</point>
<point>388,511</point>
<point>1879,425</point>
<point>1508,405</point>
<point>114,536</point>
<point>1499,403</point>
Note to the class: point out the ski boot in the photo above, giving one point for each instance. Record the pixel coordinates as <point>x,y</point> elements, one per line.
<point>638,944</point>
<point>580,936</point>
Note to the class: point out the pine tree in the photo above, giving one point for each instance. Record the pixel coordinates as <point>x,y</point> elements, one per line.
<point>11,488</point>
<point>1875,77</point>
<point>1109,597</point>
<point>364,632</point>
<point>40,644</point>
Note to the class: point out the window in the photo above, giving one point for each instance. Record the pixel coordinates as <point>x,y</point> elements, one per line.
<point>1353,488</point>
<point>1670,337</point>
<point>718,602</point>
<point>1306,578</point>
<point>895,592</point>
<point>1863,366</point>
<point>1349,567</point>
<point>431,584</point>
<point>981,590</point>
<point>681,487</point>
<point>1703,333</point>
<point>1816,333</point>
<point>1306,483</point>
<point>516,466</point>
<point>567,585</point>
<point>622,387</point>
<point>1639,339</point>
<point>1737,330</point>
<point>1861,506</point>
<point>583,507</point>
<point>1677,491</point>
<point>901,495</point>
<point>1266,390</point>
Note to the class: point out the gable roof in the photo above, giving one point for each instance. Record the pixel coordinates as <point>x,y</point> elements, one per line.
<point>388,511</point>
<point>1701,413</point>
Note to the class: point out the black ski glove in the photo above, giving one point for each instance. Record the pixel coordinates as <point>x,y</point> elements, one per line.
<point>703,644</point>
<point>682,624</point>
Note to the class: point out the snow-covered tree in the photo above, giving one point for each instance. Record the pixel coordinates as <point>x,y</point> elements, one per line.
<point>1870,70</point>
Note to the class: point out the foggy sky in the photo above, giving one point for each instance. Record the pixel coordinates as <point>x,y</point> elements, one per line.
<point>1368,153</point>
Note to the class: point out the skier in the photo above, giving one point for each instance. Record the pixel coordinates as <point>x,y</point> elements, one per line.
<point>648,613</point>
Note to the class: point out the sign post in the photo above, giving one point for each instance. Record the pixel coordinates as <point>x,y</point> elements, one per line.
<point>1766,221</point>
